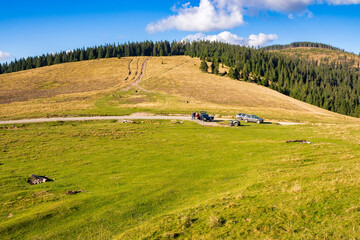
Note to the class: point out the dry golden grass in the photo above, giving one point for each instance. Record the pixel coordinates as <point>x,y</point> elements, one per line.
<point>180,76</point>
<point>175,85</point>
<point>70,88</point>
<point>77,77</point>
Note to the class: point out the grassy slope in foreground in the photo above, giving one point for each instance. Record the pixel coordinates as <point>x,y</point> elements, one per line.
<point>171,81</point>
<point>158,180</point>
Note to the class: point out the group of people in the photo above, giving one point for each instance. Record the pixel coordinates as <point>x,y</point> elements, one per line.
<point>195,115</point>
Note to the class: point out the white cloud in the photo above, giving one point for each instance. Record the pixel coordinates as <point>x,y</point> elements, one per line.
<point>253,40</point>
<point>4,55</point>
<point>213,15</point>
<point>205,17</point>
<point>342,2</point>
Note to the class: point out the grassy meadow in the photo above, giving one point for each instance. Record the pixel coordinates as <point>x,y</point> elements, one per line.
<point>164,180</point>
<point>170,179</point>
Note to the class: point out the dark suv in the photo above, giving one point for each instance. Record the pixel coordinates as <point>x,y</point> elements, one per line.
<point>253,118</point>
<point>205,117</point>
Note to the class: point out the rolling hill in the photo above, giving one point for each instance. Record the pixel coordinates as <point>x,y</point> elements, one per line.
<point>332,85</point>
<point>174,84</point>
<point>157,179</point>
<point>323,55</point>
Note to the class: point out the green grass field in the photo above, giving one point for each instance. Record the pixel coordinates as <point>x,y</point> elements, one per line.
<point>167,180</point>
<point>162,180</point>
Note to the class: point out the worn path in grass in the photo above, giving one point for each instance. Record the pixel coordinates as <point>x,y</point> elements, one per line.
<point>131,117</point>
<point>136,83</point>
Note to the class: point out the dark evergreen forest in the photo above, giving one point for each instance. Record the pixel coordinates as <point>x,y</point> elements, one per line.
<point>301,44</point>
<point>333,86</point>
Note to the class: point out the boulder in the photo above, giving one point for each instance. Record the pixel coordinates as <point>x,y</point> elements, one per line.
<point>35,179</point>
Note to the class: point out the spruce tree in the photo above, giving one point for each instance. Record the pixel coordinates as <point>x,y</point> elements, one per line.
<point>57,59</point>
<point>91,54</point>
<point>38,63</point>
<point>82,57</point>
<point>49,60</point>
<point>107,55</point>
<point>114,54</point>
<point>204,67</point>
<point>100,53</point>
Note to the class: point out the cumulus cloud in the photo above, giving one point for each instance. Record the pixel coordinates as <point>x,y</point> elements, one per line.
<point>203,18</point>
<point>4,55</point>
<point>253,40</point>
<point>213,15</point>
<point>342,2</point>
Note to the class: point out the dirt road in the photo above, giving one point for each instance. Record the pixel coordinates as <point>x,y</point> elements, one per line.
<point>136,83</point>
<point>134,117</point>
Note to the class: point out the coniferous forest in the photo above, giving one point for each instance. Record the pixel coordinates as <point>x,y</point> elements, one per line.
<point>301,44</point>
<point>333,86</point>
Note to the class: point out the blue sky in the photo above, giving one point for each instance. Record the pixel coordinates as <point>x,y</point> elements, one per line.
<point>31,28</point>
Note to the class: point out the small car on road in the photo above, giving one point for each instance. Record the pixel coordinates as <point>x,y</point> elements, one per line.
<point>253,118</point>
<point>240,116</point>
<point>235,123</point>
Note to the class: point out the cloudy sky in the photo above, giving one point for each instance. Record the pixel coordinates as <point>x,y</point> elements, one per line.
<point>31,28</point>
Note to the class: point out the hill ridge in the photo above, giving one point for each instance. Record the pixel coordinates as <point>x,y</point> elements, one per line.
<point>301,44</point>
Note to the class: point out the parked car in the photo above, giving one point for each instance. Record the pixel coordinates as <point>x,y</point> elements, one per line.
<point>240,116</point>
<point>253,118</point>
<point>206,117</point>
<point>235,123</point>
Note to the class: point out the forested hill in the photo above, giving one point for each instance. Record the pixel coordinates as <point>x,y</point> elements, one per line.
<point>335,87</point>
<point>301,44</point>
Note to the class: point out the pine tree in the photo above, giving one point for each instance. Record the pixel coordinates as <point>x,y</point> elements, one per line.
<point>154,52</point>
<point>38,63</point>
<point>49,59</point>
<point>161,52</point>
<point>245,73</point>
<point>82,57</point>
<point>204,67</point>
<point>234,73</point>
<point>100,53</point>
<point>215,68</point>
<point>91,54</point>
<point>107,55</point>
<point>57,59</point>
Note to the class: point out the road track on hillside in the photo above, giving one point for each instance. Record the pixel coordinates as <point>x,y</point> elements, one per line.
<point>130,117</point>
<point>129,68</point>
<point>70,119</point>
<point>138,80</point>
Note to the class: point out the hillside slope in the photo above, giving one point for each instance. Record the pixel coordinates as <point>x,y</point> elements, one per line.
<point>67,78</point>
<point>322,55</point>
<point>180,76</point>
<point>173,84</point>
<point>157,179</point>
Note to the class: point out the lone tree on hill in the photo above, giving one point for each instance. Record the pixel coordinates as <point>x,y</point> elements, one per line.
<point>204,67</point>
<point>215,67</point>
